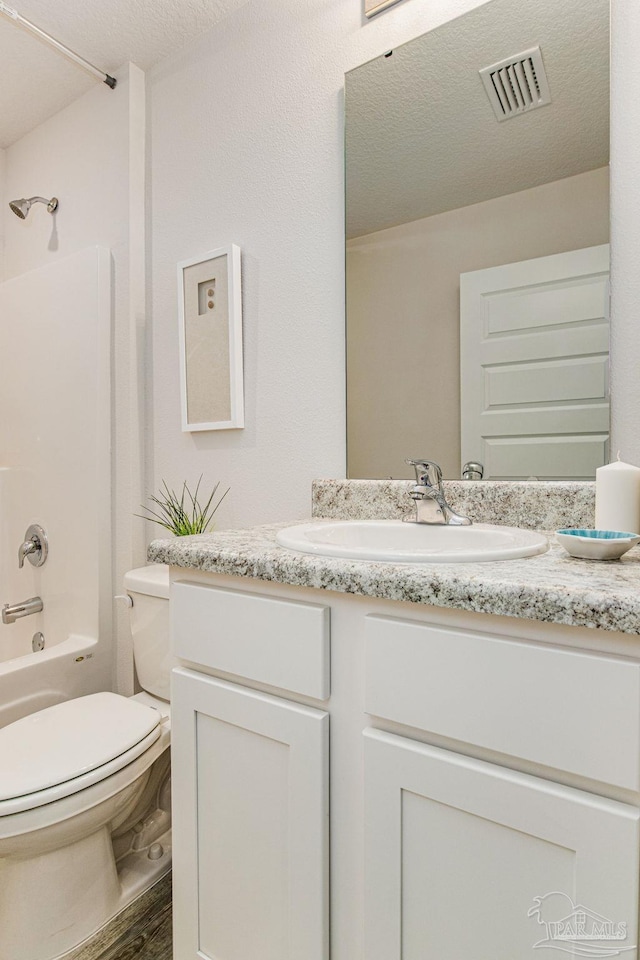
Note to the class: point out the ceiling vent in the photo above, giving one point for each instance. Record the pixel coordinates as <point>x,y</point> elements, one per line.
<point>517,84</point>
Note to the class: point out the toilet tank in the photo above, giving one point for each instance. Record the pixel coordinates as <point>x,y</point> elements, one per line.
<point>148,588</point>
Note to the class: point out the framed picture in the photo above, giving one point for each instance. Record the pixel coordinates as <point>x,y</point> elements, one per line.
<point>210,327</point>
<point>371,7</point>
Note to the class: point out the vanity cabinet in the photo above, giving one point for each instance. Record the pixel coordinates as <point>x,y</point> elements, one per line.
<point>250,791</point>
<point>485,779</point>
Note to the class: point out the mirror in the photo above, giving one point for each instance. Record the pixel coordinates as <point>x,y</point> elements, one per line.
<point>477,223</point>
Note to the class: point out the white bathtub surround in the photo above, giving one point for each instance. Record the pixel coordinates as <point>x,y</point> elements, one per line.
<point>56,442</point>
<point>618,497</point>
<point>91,156</point>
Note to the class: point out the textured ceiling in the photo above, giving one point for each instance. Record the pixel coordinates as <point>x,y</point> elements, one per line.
<point>422,137</point>
<point>36,82</point>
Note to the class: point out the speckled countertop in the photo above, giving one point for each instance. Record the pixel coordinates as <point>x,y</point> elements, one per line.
<point>551,587</point>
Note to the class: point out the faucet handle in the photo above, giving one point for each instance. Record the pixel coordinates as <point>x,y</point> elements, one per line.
<point>35,546</point>
<point>473,470</point>
<point>428,472</point>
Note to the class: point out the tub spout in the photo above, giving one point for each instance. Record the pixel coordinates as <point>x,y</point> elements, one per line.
<point>14,611</point>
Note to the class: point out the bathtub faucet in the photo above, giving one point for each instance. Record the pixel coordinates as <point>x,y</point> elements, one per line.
<point>35,546</point>
<point>14,611</point>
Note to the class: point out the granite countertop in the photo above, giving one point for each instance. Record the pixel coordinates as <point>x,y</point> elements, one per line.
<point>552,587</point>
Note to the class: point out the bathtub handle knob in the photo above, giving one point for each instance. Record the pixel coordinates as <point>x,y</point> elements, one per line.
<point>35,546</point>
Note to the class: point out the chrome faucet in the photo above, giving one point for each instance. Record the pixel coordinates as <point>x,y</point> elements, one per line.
<point>25,550</point>
<point>428,495</point>
<point>473,470</point>
<point>15,611</point>
<point>35,546</point>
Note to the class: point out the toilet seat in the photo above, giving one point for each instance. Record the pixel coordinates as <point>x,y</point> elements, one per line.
<point>65,748</point>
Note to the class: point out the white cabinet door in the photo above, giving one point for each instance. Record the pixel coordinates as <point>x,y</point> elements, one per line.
<point>250,822</point>
<point>465,860</point>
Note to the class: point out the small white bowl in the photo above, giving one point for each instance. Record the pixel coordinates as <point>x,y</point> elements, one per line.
<point>597,544</point>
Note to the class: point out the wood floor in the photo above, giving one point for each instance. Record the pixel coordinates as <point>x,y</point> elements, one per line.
<point>146,940</point>
<point>141,932</point>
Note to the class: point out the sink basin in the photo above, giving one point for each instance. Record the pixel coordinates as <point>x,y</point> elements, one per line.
<point>398,542</point>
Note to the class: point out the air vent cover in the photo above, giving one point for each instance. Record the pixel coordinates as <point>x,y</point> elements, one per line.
<point>517,84</point>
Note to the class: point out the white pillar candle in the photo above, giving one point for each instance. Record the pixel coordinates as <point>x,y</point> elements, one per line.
<point>618,497</point>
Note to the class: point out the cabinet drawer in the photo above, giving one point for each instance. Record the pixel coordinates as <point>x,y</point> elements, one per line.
<point>282,643</point>
<point>571,710</point>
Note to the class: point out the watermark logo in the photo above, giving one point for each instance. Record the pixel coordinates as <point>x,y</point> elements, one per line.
<point>577,930</point>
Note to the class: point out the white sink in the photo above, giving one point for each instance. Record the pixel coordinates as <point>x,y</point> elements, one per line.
<point>398,542</point>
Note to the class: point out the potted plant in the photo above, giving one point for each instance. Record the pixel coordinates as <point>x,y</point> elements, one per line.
<point>186,513</point>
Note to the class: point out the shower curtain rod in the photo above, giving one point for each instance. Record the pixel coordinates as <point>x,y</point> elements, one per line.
<point>14,15</point>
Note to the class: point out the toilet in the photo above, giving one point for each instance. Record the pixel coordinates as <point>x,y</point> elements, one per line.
<point>85,800</point>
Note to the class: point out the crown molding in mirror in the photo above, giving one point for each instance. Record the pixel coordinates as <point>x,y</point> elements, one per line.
<point>372,7</point>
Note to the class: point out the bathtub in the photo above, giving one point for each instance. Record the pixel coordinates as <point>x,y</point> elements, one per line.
<point>37,680</point>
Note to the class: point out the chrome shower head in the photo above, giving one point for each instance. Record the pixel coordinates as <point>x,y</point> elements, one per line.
<point>21,207</point>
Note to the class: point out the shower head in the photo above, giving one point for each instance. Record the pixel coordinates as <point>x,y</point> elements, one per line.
<point>21,207</point>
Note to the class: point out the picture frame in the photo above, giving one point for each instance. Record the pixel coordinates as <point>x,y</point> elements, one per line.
<point>210,335</point>
<point>373,7</point>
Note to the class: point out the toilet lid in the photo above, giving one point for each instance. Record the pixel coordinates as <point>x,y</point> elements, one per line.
<point>69,739</point>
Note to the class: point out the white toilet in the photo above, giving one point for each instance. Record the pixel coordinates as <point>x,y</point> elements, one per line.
<point>85,797</point>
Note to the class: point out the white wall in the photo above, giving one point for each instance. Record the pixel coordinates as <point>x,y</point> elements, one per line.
<point>247,146</point>
<point>91,156</point>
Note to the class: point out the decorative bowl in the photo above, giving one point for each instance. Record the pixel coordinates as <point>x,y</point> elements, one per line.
<point>597,544</point>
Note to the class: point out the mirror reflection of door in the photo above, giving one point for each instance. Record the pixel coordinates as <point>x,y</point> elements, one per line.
<point>437,187</point>
<point>534,366</point>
